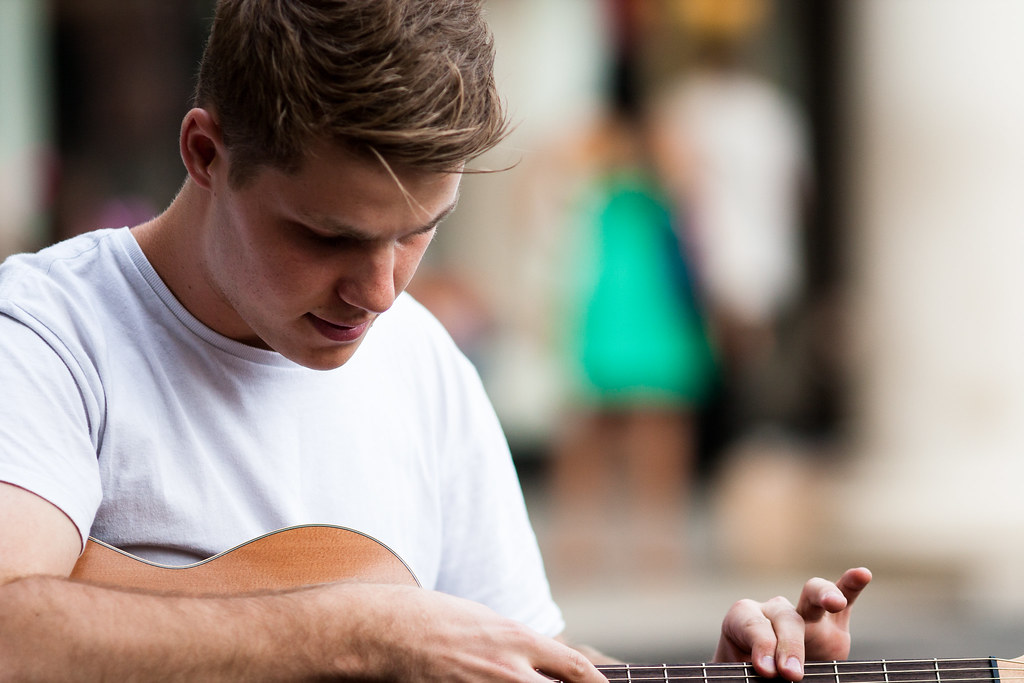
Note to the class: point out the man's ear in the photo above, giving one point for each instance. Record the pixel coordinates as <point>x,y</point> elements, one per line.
<point>202,146</point>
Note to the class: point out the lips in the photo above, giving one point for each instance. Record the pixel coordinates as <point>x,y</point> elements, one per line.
<point>338,333</point>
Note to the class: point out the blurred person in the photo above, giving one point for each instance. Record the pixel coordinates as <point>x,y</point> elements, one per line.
<point>247,361</point>
<point>731,147</point>
<point>641,361</point>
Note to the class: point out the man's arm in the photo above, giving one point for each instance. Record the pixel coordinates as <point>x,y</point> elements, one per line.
<point>35,536</point>
<point>52,628</point>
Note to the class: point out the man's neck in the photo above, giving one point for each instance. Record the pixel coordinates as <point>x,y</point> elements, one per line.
<point>172,243</point>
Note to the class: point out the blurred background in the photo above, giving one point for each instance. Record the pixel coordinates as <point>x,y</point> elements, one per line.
<point>747,300</point>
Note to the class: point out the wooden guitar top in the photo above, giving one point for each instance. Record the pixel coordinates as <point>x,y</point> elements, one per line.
<point>287,558</point>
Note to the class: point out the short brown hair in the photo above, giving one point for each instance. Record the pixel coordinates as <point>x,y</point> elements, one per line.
<point>410,81</point>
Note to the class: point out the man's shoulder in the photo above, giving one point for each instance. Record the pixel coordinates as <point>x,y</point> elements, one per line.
<point>21,274</point>
<point>61,289</point>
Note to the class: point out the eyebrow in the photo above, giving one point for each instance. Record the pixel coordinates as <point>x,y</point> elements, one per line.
<point>344,230</point>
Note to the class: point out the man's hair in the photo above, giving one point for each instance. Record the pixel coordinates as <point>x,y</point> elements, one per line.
<point>407,81</point>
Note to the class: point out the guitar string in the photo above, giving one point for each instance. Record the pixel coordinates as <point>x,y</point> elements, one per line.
<point>895,665</point>
<point>931,674</point>
<point>926,664</point>
<point>835,670</point>
<point>640,673</point>
<point>829,664</point>
<point>634,676</point>
<point>960,674</point>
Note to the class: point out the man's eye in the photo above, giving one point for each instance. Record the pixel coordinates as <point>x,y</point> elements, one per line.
<point>333,240</point>
<point>422,235</point>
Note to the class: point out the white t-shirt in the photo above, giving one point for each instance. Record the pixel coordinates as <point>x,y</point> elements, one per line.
<point>156,434</point>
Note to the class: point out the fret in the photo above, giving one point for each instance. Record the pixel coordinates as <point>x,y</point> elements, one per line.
<point>844,672</point>
<point>966,669</point>
<point>629,673</point>
<point>901,671</point>
<point>689,673</point>
<point>912,671</point>
<point>730,673</point>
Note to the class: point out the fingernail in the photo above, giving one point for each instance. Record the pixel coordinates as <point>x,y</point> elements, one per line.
<point>768,663</point>
<point>794,665</point>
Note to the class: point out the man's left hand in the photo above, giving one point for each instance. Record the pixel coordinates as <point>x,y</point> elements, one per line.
<point>777,637</point>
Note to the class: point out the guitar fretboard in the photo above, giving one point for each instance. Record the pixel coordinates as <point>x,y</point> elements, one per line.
<point>880,671</point>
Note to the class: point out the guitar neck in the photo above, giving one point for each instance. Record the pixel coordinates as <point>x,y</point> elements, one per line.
<point>880,671</point>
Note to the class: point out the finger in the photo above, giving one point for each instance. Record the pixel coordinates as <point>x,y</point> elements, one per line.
<point>566,664</point>
<point>820,596</point>
<point>788,626</point>
<point>747,634</point>
<point>853,581</point>
<point>851,584</point>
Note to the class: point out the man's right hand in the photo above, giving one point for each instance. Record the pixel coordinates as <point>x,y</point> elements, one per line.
<point>420,635</point>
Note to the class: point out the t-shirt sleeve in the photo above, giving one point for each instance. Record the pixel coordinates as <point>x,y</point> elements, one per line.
<point>46,429</point>
<point>490,550</point>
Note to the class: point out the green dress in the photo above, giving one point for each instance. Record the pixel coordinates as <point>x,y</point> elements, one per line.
<point>636,335</point>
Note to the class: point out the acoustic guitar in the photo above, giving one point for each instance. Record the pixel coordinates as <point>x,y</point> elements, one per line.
<point>313,554</point>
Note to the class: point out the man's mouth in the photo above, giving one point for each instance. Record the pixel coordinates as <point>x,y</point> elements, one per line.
<point>338,332</point>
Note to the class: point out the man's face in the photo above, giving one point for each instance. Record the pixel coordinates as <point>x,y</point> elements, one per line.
<point>304,263</point>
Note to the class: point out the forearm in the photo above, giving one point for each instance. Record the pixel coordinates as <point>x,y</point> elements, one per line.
<point>53,629</point>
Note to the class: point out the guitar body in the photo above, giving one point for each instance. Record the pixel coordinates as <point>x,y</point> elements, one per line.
<point>288,558</point>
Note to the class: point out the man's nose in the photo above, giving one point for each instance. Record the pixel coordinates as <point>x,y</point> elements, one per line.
<point>369,282</point>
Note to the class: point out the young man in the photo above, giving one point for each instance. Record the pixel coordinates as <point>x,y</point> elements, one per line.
<point>247,361</point>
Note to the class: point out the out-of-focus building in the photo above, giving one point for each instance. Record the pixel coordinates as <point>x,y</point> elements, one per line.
<point>934,156</point>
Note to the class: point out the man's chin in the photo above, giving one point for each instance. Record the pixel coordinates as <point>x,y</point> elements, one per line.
<point>324,358</point>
